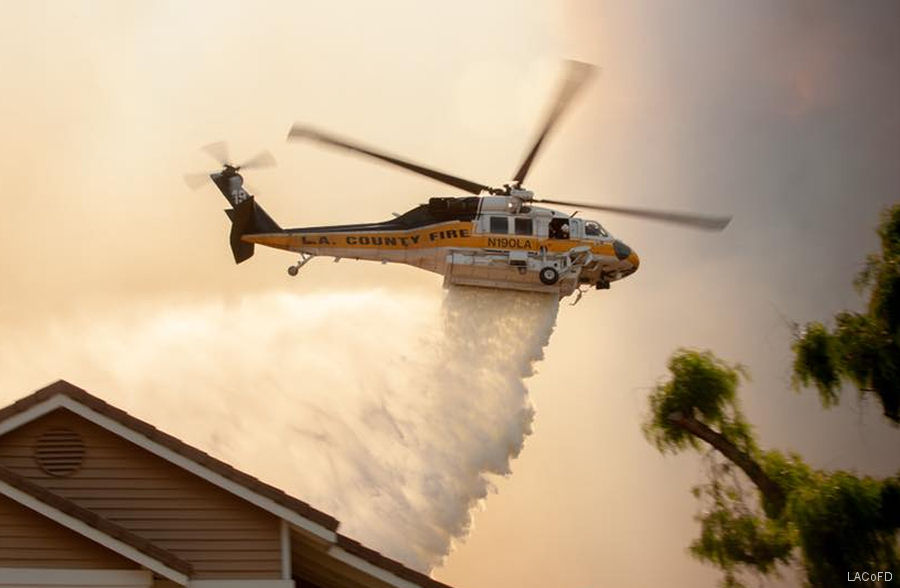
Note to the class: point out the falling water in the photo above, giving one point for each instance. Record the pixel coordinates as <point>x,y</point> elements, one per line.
<point>389,412</point>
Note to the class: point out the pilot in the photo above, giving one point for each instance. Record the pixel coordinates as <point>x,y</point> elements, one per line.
<point>564,231</point>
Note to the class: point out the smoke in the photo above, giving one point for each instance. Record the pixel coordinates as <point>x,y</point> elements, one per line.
<point>389,412</point>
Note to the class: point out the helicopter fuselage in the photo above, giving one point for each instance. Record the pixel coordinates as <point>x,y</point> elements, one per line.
<point>485,241</point>
<point>497,238</point>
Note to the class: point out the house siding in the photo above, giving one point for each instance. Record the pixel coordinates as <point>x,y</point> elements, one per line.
<point>30,540</point>
<point>221,535</point>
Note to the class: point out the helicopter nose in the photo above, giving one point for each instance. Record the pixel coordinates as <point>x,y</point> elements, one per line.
<point>634,260</point>
<point>621,250</point>
<point>625,253</point>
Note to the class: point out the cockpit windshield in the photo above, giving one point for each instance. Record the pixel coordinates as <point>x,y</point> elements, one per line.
<point>594,229</point>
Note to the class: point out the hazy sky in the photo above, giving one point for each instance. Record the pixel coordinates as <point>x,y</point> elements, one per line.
<point>783,114</point>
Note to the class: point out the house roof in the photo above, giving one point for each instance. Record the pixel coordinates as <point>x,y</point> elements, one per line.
<point>173,443</point>
<point>62,388</point>
<point>94,521</point>
<point>373,557</point>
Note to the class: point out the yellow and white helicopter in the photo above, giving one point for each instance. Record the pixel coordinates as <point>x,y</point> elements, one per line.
<point>497,238</point>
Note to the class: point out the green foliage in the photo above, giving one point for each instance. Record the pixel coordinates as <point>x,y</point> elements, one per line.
<point>882,272</point>
<point>841,521</point>
<point>832,521</point>
<point>789,472</point>
<point>735,541</point>
<point>734,535</point>
<point>841,525</point>
<point>863,349</point>
<point>704,386</point>
<point>815,362</point>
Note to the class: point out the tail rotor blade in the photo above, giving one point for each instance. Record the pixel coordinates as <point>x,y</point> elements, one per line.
<point>258,161</point>
<point>219,152</point>
<point>696,221</point>
<point>196,181</point>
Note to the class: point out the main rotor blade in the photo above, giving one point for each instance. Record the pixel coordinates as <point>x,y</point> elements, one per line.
<point>577,74</point>
<point>697,221</point>
<point>219,152</point>
<point>260,160</point>
<point>300,132</point>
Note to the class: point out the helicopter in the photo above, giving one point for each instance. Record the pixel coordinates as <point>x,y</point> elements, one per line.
<point>496,238</point>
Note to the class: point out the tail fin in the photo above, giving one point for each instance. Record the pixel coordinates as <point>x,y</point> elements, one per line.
<point>246,215</point>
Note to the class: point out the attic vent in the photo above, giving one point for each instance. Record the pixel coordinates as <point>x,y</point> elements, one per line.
<point>59,452</point>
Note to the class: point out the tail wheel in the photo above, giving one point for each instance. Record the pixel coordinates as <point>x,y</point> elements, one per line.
<point>549,275</point>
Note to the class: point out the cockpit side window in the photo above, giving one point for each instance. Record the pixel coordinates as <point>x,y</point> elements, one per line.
<point>499,224</point>
<point>594,229</point>
<point>523,226</point>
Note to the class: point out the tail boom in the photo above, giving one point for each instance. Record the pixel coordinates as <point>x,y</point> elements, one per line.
<point>247,217</point>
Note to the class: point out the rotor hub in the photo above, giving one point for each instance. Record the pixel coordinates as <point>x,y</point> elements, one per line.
<point>520,194</point>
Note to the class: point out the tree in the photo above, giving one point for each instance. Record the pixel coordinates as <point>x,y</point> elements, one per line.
<point>862,348</point>
<point>831,522</point>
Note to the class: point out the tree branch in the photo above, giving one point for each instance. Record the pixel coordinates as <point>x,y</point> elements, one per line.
<point>773,495</point>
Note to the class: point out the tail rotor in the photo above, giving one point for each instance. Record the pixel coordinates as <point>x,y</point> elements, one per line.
<point>219,151</point>
<point>246,216</point>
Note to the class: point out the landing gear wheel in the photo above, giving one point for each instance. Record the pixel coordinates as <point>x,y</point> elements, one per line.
<point>293,270</point>
<point>549,275</point>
